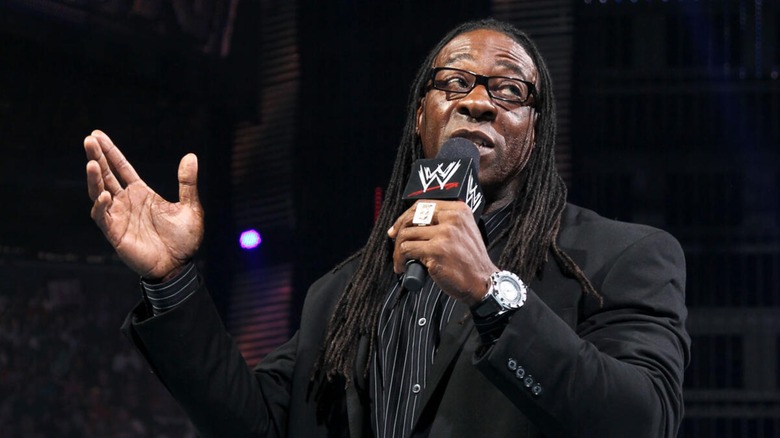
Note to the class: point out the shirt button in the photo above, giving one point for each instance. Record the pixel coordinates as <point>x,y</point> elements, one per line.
<point>421,322</point>
<point>416,388</point>
<point>520,373</point>
<point>529,380</point>
<point>511,364</point>
<point>537,389</point>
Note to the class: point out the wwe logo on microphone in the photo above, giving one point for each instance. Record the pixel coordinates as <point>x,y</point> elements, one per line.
<point>473,194</point>
<point>440,175</point>
<point>451,176</point>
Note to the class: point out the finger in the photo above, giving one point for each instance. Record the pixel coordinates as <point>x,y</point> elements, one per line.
<point>94,181</point>
<point>407,245</point>
<point>95,153</point>
<point>392,232</point>
<point>100,211</point>
<point>406,219</point>
<point>188,181</point>
<point>116,160</point>
<point>409,250</point>
<point>415,233</point>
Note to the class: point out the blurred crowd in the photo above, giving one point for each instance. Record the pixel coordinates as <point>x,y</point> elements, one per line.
<point>66,370</point>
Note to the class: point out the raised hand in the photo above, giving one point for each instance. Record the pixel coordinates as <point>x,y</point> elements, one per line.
<point>152,236</point>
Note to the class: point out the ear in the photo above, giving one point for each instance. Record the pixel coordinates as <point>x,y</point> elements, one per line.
<point>419,117</point>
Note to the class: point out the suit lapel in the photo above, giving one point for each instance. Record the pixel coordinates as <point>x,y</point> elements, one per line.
<point>356,404</point>
<point>355,413</point>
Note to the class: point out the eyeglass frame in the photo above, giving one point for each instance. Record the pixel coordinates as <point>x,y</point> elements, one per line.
<point>483,80</point>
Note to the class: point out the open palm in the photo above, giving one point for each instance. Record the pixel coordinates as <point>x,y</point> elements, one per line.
<point>152,236</point>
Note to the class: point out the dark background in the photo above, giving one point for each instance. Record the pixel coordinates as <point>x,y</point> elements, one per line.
<point>669,114</point>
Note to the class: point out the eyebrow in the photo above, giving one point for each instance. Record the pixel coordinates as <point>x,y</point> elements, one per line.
<point>509,65</point>
<point>458,57</point>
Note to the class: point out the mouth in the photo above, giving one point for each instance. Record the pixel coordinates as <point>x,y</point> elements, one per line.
<point>480,139</point>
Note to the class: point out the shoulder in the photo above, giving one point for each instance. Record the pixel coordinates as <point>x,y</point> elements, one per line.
<point>597,243</point>
<point>324,293</point>
<point>340,275</point>
<point>582,228</point>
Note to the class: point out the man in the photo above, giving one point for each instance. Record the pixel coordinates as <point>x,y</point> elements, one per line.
<point>562,324</point>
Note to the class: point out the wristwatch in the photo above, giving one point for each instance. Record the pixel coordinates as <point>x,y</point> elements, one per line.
<point>505,292</point>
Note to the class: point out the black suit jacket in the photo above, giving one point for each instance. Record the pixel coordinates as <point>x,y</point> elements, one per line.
<point>564,366</point>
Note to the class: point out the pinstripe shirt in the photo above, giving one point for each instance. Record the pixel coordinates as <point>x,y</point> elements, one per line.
<point>407,338</point>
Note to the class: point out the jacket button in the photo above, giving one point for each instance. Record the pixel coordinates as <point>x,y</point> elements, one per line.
<point>537,389</point>
<point>528,381</point>
<point>511,364</point>
<point>520,372</point>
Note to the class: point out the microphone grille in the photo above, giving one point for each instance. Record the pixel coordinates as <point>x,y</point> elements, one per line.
<point>458,148</point>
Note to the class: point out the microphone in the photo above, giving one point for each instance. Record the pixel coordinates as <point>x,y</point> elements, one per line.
<point>451,175</point>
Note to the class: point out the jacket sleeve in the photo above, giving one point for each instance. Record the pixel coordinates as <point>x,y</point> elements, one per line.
<point>192,354</point>
<point>619,373</point>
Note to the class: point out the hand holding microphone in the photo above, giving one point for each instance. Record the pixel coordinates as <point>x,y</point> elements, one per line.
<point>451,176</point>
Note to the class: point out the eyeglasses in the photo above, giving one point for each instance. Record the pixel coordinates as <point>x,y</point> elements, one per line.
<point>455,80</point>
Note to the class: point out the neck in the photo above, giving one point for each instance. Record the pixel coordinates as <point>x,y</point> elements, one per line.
<point>496,205</point>
<point>498,197</point>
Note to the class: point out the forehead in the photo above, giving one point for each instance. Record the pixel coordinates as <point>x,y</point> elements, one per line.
<point>487,52</point>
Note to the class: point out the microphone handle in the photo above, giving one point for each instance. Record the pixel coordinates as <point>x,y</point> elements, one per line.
<point>414,277</point>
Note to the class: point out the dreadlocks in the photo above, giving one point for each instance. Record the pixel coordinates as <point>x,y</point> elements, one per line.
<point>537,210</point>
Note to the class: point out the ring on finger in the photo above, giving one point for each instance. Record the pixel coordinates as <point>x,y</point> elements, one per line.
<point>423,213</point>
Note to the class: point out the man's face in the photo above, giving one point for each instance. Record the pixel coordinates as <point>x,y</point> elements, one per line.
<point>503,132</point>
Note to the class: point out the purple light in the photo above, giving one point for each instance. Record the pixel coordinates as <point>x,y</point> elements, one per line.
<point>250,239</point>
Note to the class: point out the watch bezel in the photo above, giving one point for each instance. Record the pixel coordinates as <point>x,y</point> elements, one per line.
<point>495,291</point>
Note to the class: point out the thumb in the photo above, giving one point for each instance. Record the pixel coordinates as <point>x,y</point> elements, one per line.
<point>188,181</point>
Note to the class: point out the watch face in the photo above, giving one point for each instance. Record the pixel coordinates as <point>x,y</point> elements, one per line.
<point>509,290</point>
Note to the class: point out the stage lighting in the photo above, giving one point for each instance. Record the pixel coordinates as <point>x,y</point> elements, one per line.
<point>250,239</point>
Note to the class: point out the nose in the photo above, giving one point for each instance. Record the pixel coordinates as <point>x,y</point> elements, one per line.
<point>477,104</point>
